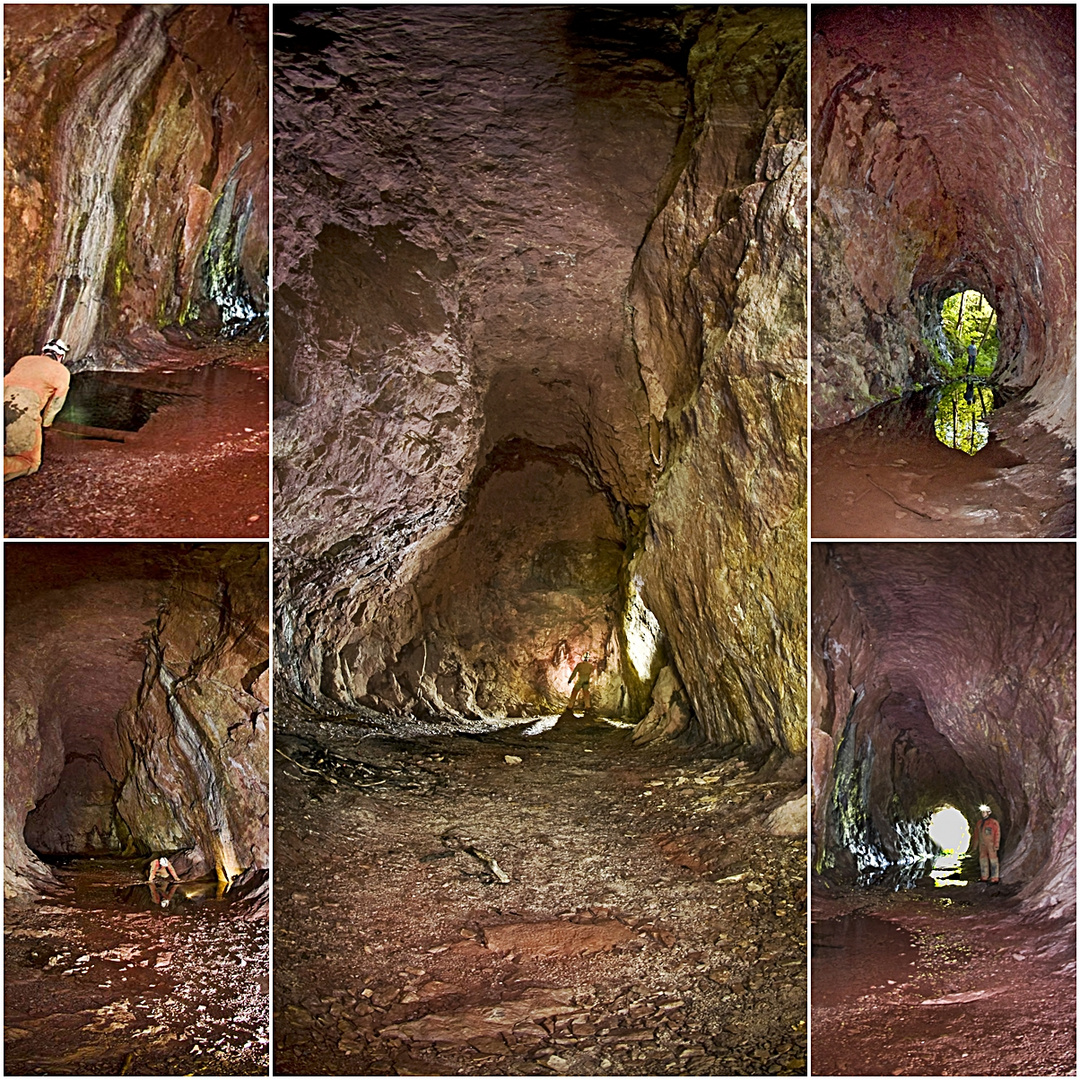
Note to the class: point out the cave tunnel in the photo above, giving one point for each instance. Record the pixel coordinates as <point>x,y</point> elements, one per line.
<point>936,171</point>
<point>137,229</point>
<point>539,357</point>
<point>943,675</point>
<point>136,706</point>
<point>136,714</point>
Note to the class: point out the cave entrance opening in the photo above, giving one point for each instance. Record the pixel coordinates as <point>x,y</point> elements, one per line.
<point>949,830</point>
<point>965,355</point>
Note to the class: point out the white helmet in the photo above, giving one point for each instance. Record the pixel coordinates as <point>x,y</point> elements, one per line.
<point>58,347</point>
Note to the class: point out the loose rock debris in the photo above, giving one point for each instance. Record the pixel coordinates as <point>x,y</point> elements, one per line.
<point>109,984</point>
<point>959,981</point>
<point>648,923</point>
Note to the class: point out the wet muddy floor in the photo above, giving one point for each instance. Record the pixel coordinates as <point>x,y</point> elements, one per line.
<point>512,905</point>
<point>106,980</point>
<point>940,982</point>
<point>197,465</point>
<point>885,474</point>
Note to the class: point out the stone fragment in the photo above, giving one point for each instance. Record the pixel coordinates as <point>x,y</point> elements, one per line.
<point>487,1021</point>
<point>557,938</point>
<point>790,818</point>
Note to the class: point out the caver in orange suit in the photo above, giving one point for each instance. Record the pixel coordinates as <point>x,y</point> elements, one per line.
<point>989,833</point>
<point>34,392</point>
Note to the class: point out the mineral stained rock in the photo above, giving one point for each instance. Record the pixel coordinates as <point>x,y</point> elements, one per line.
<point>136,701</point>
<point>945,674</point>
<point>136,173</point>
<point>540,361</point>
<point>944,157</point>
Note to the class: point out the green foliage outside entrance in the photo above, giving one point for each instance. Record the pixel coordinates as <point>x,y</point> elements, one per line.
<point>968,319</point>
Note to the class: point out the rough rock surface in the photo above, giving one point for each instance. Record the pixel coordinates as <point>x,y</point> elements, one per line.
<point>540,361</point>
<point>944,149</point>
<point>135,173</point>
<point>648,924</point>
<point>945,673</point>
<point>136,706</point>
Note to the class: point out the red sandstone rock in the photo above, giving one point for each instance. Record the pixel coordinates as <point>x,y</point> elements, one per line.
<point>945,673</point>
<point>96,756</point>
<point>936,164</point>
<point>541,359</point>
<point>177,99</point>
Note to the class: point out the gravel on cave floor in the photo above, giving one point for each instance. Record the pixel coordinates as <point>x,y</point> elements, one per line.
<point>956,981</point>
<point>648,924</point>
<point>102,981</point>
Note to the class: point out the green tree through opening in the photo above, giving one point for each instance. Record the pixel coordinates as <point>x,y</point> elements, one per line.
<point>968,319</point>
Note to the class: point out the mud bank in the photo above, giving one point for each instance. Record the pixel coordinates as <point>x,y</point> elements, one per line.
<point>102,980</point>
<point>885,475</point>
<point>197,467</point>
<point>648,922</point>
<point>954,982</point>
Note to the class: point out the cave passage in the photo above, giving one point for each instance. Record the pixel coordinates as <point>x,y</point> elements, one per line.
<point>135,724</point>
<point>540,375</point>
<point>944,682</point>
<point>925,134</point>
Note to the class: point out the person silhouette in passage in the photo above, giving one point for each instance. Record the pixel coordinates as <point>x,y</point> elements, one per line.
<point>989,834</point>
<point>972,353</point>
<point>582,673</point>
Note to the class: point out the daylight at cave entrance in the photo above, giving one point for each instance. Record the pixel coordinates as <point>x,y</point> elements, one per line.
<point>943,675</point>
<point>937,172</point>
<point>539,367</point>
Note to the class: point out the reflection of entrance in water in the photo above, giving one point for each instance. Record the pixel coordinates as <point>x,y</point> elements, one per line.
<point>960,418</point>
<point>949,829</point>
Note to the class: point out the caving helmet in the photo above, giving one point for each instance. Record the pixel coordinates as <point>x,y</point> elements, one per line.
<point>58,347</point>
<point>984,808</point>
<point>163,861</point>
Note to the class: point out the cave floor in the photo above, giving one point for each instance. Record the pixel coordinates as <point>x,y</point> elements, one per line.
<point>648,923</point>
<point>198,467</point>
<point>939,982</point>
<point>104,982</point>
<point>882,476</point>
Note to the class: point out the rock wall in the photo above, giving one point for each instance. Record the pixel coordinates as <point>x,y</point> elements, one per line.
<point>719,330</point>
<point>136,705</point>
<point>136,173</point>
<point>944,156</point>
<point>487,367</point>
<point>945,673</point>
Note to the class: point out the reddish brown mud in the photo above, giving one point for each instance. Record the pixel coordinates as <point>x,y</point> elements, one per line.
<point>940,982</point>
<point>885,475</point>
<point>197,468</point>
<point>105,981</point>
<point>647,924</point>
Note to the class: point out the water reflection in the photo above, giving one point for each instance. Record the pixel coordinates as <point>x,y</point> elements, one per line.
<point>961,415</point>
<point>949,869</point>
